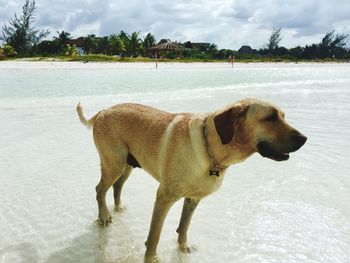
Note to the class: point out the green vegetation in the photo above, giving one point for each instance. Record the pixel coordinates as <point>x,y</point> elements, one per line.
<point>22,40</point>
<point>71,50</point>
<point>8,51</point>
<point>20,34</point>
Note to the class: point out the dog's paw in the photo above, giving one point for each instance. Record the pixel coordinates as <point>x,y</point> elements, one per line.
<point>185,248</point>
<point>104,220</point>
<point>151,259</point>
<point>119,208</point>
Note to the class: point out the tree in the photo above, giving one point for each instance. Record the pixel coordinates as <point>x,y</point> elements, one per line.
<point>310,51</point>
<point>48,47</point>
<point>332,45</point>
<point>224,54</point>
<point>115,45</point>
<point>125,38</point>
<point>148,41</point>
<point>20,33</point>
<point>103,46</point>
<point>297,52</point>
<point>274,40</point>
<point>329,40</point>
<point>63,37</point>
<point>71,50</point>
<point>212,50</point>
<point>91,44</point>
<point>8,51</point>
<point>134,43</point>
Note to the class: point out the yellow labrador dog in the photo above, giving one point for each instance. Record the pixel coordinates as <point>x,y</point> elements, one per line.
<point>186,153</point>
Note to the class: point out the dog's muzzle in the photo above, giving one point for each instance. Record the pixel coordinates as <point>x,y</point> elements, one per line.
<point>266,149</point>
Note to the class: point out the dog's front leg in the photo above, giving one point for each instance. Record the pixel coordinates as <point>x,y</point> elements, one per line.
<point>161,208</point>
<point>187,212</point>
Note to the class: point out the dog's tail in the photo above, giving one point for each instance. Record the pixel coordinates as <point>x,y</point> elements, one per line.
<point>89,123</point>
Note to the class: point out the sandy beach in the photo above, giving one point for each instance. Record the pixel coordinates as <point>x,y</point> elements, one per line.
<point>23,64</point>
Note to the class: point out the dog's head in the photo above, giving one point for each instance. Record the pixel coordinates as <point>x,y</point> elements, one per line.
<point>258,126</point>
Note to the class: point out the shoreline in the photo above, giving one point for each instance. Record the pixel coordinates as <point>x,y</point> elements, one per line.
<point>60,64</point>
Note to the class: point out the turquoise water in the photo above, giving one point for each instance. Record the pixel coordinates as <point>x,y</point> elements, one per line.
<point>16,83</point>
<point>294,211</point>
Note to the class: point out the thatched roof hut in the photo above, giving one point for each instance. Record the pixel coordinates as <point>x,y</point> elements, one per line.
<point>166,45</point>
<point>163,46</point>
<point>246,50</point>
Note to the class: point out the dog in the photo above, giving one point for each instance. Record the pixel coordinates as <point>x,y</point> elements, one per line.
<point>186,153</point>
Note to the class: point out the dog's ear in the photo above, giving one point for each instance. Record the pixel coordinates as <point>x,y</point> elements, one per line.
<point>226,121</point>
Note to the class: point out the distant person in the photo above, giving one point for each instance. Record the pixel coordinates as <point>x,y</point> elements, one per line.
<point>231,59</point>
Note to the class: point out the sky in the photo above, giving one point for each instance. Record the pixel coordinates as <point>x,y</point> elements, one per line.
<point>227,23</point>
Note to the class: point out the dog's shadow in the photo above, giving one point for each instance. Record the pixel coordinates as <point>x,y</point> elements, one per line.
<point>21,253</point>
<point>116,243</point>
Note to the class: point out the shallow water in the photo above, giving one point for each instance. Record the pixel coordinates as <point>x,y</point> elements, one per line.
<point>266,211</point>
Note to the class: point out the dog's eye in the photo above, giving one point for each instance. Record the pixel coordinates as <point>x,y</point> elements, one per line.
<point>272,118</point>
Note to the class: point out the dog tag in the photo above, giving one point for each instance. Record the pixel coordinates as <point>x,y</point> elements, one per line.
<point>214,172</point>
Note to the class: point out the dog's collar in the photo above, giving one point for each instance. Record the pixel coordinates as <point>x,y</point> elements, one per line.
<point>215,167</point>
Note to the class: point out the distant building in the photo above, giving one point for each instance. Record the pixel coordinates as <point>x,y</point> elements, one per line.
<point>246,50</point>
<point>196,45</point>
<point>164,41</point>
<point>165,45</point>
<point>79,43</point>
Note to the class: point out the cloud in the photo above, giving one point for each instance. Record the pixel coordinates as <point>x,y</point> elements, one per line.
<point>228,23</point>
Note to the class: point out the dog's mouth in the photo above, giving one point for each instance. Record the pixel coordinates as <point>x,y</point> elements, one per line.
<point>267,151</point>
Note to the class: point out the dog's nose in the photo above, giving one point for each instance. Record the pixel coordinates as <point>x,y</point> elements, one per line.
<point>299,139</point>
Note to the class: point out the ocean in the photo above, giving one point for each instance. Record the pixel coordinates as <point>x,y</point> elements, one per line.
<point>265,211</point>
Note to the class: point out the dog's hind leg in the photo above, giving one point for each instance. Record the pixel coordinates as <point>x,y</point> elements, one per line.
<point>118,186</point>
<point>187,212</point>
<point>112,167</point>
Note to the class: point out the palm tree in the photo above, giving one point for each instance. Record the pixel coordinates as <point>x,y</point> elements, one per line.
<point>103,46</point>
<point>71,50</point>
<point>61,40</point>
<point>148,42</point>
<point>212,49</point>
<point>116,45</point>
<point>91,44</point>
<point>134,43</point>
<point>125,38</point>
<point>63,37</point>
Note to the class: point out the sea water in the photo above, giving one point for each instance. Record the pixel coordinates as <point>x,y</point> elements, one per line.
<point>265,211</point>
